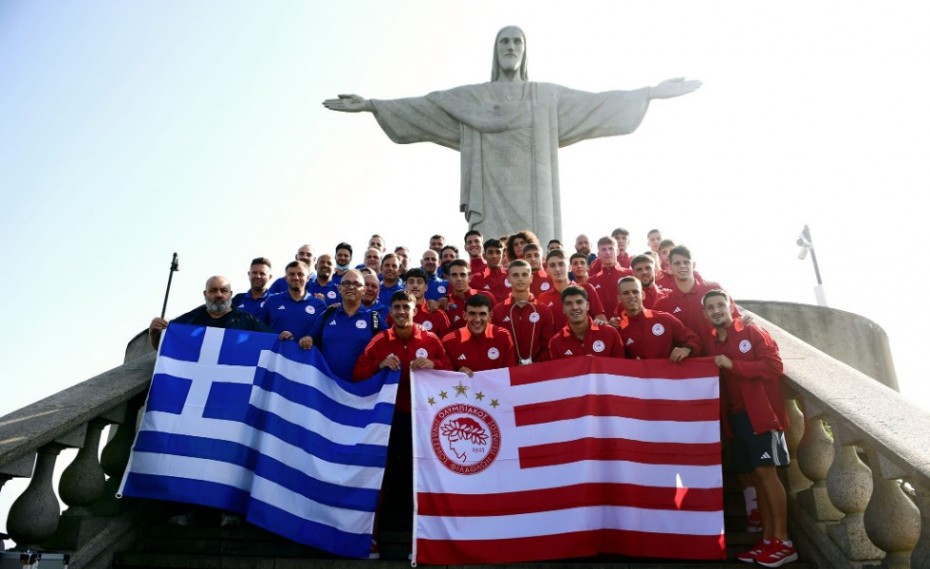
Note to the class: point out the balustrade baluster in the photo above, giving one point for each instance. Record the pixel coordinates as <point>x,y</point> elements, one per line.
<point>921,554</point>
<point>849,485</point>
<point>82,481</point>
<point>115,456</point>
<point>34,515</point>
<point>796,481</point>
<point>815,455</point>
<point>892,521</point>
<point>19,468</point>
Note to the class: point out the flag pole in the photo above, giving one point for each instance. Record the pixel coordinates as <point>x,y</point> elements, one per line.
<point>174,267</point>
<point>807,246</point>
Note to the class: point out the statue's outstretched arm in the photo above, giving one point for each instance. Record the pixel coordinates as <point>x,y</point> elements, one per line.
<point>349,104</point>
<point>673,88</point>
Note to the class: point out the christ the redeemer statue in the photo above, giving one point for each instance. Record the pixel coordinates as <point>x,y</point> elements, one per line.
<point>508,132</point>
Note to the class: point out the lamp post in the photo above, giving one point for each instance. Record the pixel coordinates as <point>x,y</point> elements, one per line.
<point>807,246</point>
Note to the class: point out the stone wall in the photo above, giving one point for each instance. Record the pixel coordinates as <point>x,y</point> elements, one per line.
<point>138,346</point>
<point>850,338</point>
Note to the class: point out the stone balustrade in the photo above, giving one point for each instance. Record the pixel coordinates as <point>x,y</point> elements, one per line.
<point>858,485</point>
<point>31,440</point>
<point>860,481</point>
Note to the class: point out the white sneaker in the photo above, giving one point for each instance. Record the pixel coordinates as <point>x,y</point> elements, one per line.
<point>374,552</point>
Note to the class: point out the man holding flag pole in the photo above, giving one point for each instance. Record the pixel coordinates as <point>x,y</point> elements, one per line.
<point>241,421</point>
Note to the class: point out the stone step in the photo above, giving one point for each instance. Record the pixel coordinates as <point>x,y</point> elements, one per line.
<point>202,544</point>
<point>138,560</point>
<point>205,545</point>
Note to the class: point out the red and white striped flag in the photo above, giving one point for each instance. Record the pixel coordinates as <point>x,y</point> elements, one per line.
<point>569,458</point>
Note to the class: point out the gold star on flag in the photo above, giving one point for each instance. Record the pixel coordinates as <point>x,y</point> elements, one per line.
<point>479,396</point>
<point>495,403</point>
<point>443,395</point>
<point>460,389</point>
<point>431,400</point>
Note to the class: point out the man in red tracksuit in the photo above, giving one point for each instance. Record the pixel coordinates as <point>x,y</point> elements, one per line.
<point>605,280</point>
<point>644,269</point>
<point>529,323</point>
<point>403,346</point>
<point>582,336</point>
<point>750,386</point>
<point>479,345</point>
<point>416,282</point>
<point>460,292</point>
<point>552,299</point>
<point>684,298</point>
<point>649,334</point>
<point>493,278</point>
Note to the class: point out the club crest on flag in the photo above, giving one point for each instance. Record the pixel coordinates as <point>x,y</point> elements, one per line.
<point>465,438</point>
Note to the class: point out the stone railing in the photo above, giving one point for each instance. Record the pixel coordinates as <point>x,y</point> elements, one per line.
<point>94,523</point>
<point>859,481</point>
<point>858,485</point>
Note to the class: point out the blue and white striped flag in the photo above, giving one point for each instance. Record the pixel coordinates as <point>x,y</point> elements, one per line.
<point>240,421</point>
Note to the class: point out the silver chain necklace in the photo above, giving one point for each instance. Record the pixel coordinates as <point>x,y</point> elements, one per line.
<point>516,344</point>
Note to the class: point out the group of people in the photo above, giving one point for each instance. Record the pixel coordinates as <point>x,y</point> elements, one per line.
<point>513,301</point>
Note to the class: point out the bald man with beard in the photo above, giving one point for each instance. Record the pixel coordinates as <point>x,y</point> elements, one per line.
<point>217,311</point>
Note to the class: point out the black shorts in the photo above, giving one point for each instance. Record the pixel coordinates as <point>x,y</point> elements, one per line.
<point>749,451</point>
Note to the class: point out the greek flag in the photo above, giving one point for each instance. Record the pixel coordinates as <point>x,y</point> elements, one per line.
<point>239,421</point>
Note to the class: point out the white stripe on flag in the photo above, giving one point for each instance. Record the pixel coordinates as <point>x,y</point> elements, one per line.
<point>509,477</point>
<point>309,417</point>
<point>632,429</point>
<point>312,376</point>
<point>273,447</point>
<point>572,520</point>
<point>625,386</point>
<point>261,489</point>
<point>210,371</point>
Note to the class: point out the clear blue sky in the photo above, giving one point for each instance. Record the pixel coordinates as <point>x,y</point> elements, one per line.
<point>130,130</point>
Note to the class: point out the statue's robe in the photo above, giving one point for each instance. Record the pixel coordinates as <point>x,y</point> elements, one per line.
<point>508,138</point>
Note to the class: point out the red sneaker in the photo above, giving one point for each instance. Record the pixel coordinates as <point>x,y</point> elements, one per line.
<point>754,521</point>
<point>374,553</point>
<point>753,552</point>
<point>777,553</point>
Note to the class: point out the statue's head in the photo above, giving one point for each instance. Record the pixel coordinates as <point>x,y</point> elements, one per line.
<point>509,52</point>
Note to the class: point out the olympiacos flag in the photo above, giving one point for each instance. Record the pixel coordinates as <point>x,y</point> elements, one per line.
<point>569,458</point>
<point>243,422</point>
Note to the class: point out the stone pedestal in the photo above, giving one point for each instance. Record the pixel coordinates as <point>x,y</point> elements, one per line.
<point>849,535</point>
<point>75,529</point>
<point>816,501</point>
